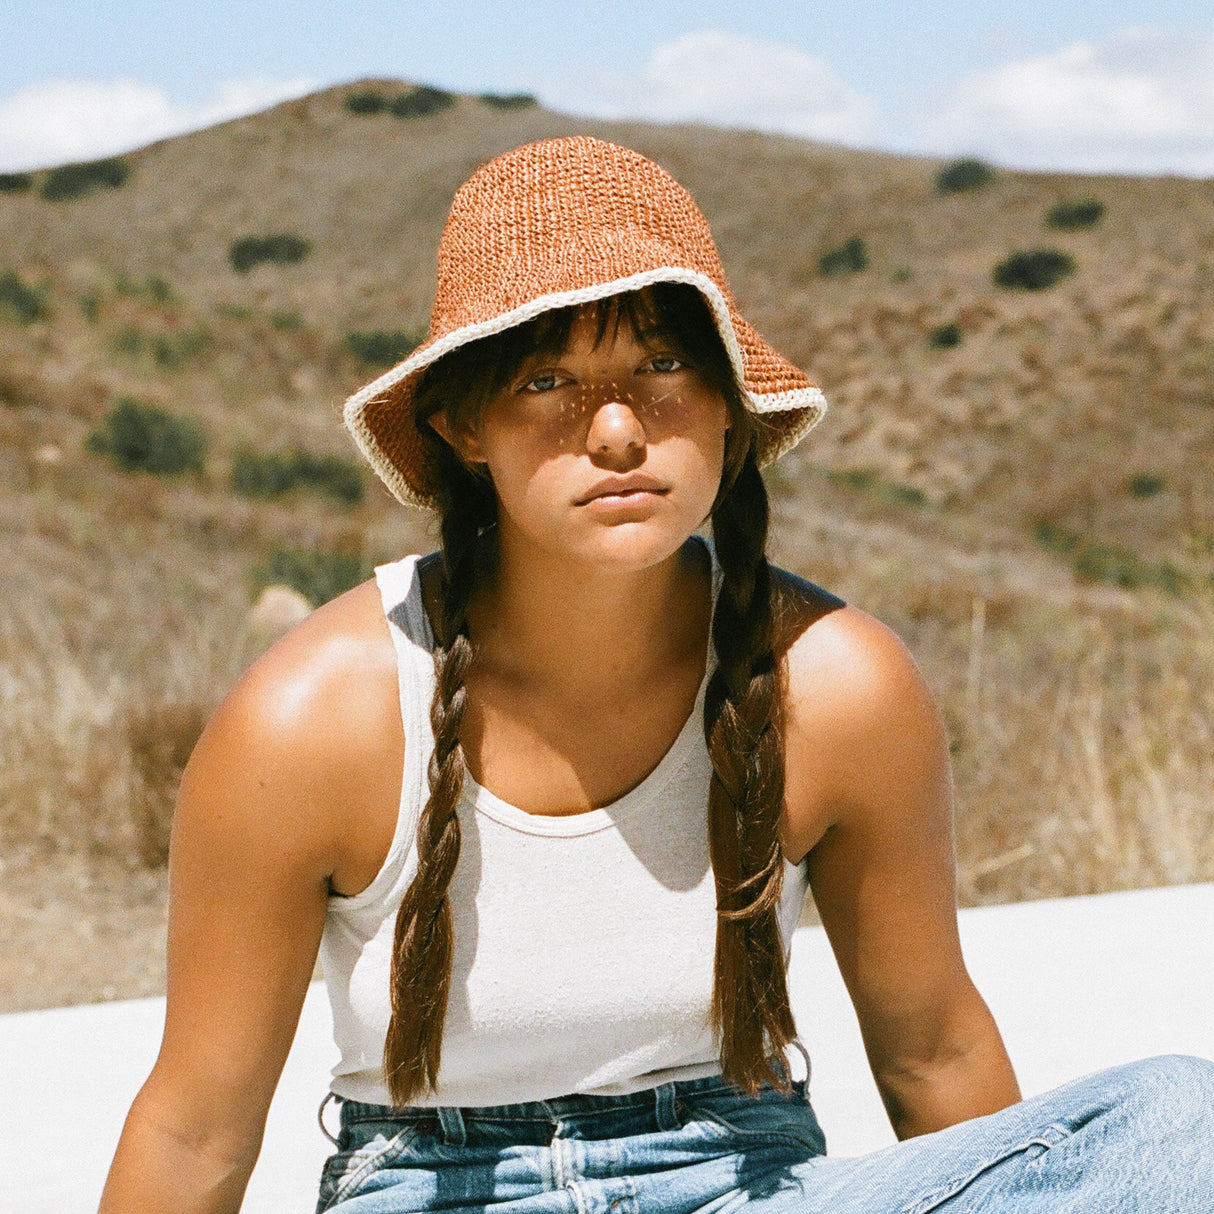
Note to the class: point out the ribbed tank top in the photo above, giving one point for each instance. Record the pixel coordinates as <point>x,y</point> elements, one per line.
<point>583,944</point>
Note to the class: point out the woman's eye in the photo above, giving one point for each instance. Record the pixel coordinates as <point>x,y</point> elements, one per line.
<point>542,383</point>
<point>665,362</point>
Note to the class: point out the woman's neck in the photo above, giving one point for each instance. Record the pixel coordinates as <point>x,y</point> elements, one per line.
<point>541,619</point>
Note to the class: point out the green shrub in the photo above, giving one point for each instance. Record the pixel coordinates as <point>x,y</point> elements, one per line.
<point>366,102</point>
<point>854,478</point>
<point>848,258</point>
<point>1033,269</point>
<point>1056,539</point>
<point>419,102</point>
<point>867,480</point>
<point>1109,563</point>
<point>173,350</point>
<point>318,575</point>
<point>155,288</point>
<point>166,350</point>
<point>75,180</point>
<point>1072,216</point>
<point>1146,484</point>
<point>16,183</point>
<point>509,101</point>
<point>381,348</point>
<point>90,307</point>
<point>282,248</point>
<point>286,322</point>
<point>1105,563</point>
<point>272,474</point>
<point>19,299</point>
<point>944,337</point>
<point>140,437</point>
<point>128,340</point>
<point>962,176</point>
<point>902,274</point>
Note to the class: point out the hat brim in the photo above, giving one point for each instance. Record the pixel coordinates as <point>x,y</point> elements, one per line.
<point>379,416</point>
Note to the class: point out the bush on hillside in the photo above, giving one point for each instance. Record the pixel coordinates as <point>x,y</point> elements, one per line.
<point>140,437</point>
<point>1033,269</point>
<point>317,574</point>
<point>1073,216</point>
<point>16,183</point>
<point>962,176</point>
<point>380,347</point>
<point>155,288</point>
<point>419,102</point>
<point>848,258</point>
<point>19,299</point>
<point>944,337</point>
<point>366,102</point>
<point>75,180</point>
<point>1108,562</point>
<point>167,350</point>
<point>281,249</point>
<point>509,101</point>
<point>1146,484</point>
<point>271,474</point>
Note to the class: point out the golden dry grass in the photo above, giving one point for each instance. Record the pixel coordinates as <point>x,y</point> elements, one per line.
<point>1080,712</point>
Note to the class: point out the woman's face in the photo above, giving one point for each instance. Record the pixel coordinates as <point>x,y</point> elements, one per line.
<point>607,453</point>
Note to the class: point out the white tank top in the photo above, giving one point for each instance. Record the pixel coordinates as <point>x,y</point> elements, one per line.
<point>583,944</point>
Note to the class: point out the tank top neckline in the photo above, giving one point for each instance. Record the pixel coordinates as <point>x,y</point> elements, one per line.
<point>483,801</point>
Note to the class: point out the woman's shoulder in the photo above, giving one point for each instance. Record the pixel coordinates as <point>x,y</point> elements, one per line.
<point>831,647</point>
<point>849,676</point>
<point>318,712</point>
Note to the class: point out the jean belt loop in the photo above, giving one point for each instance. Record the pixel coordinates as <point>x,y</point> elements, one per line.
<point>667,1115</point>
<point>795,1043</point>
<point>451,1120</point>
<point>320,1116</point>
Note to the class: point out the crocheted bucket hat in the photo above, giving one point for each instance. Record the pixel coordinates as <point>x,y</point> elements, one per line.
<point>553,224</point>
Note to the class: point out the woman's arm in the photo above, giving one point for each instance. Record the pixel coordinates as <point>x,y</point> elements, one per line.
<point>870,799</point>
<point>257,835</point>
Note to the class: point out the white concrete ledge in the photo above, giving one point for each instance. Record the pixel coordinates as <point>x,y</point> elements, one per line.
<point>1076,984</point>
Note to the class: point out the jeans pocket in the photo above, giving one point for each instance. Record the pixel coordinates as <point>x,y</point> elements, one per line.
<point>753,1123</point>
<point>346,1170</point>
<point>1025,1149</point>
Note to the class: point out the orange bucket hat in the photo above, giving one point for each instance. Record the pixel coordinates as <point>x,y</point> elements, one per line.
<point>559,223</point>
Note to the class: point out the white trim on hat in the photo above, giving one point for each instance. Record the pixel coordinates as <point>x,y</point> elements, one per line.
<point>809,398</point>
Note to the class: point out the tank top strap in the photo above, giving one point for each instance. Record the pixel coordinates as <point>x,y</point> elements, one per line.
<point>399,585</point>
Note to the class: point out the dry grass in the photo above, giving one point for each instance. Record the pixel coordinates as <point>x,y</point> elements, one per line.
<point>1080,714</point>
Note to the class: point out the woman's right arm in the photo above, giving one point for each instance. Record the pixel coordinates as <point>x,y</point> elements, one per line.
<point>257,835</point>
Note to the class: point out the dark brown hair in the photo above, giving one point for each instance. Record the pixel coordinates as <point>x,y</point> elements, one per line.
<point>750,1007</point>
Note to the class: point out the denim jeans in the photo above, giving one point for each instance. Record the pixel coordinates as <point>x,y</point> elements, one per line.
<point>1136,1138</point>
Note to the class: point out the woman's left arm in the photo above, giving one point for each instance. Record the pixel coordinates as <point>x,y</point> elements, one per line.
<point>869,798</point>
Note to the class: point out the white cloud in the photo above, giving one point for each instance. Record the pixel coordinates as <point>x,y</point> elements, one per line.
<point>727,80</point>
<point>63,120</point>
<point>1140,101</point>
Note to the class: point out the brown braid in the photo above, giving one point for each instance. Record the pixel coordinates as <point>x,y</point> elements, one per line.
<point>424,941</point>
<point>750,1006</point>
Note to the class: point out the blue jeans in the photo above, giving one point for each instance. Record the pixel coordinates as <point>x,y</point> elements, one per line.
<point>1135,1138</point>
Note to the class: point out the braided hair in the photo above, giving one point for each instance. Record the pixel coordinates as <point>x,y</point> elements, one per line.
<point>750,1008</point>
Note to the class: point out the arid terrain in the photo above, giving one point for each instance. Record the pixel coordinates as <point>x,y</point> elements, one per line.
<point>1021,482</point>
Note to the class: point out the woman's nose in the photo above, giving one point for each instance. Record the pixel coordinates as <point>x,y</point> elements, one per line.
<point>615,432</point>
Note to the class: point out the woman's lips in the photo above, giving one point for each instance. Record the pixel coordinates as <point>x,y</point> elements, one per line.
<point>619,490</point>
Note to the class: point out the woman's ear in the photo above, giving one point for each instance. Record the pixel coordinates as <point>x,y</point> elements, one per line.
<point>462,438</point>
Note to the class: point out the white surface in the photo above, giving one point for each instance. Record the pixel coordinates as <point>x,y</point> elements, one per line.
<point>1076,984</point>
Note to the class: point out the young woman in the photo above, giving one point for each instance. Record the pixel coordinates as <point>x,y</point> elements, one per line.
<point>548,801</point>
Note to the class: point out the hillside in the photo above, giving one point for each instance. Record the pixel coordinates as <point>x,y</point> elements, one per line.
<point>1032,507</point>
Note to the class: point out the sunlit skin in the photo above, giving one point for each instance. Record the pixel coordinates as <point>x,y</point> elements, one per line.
<point>591,632</point>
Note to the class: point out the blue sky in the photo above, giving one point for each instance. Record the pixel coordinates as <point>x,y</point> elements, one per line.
<point>1075,85</point>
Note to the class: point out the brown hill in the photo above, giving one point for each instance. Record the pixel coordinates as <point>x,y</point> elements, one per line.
<point>1031,506</point>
